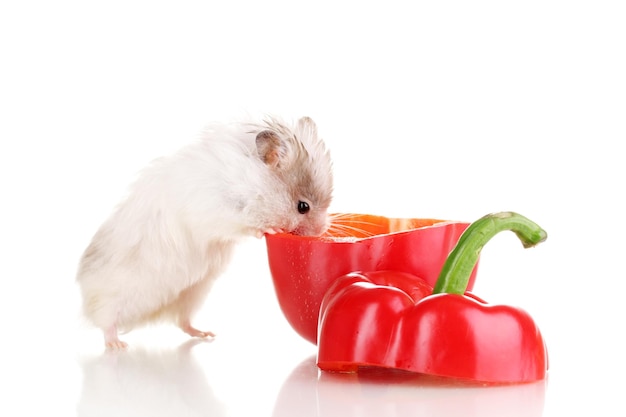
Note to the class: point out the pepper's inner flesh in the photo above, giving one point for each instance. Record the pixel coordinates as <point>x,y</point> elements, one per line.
<point>357,226</point>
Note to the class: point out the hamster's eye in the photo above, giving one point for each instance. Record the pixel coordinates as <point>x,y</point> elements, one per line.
<point>303,207</point>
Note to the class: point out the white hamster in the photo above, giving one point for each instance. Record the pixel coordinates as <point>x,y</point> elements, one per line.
<point>158,254</point>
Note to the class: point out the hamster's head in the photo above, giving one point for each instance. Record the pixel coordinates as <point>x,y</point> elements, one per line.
<point>300,169</point>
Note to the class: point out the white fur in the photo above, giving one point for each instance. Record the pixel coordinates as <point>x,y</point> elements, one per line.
<point>160,251</point>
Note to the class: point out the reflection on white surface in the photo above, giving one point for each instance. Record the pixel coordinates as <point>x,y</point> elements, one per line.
<point>168,382</point>
<point>151,383</point>
<point>200,378</point>
<point>390,394</point>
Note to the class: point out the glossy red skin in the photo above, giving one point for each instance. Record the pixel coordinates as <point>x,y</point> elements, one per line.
<point>370,320</point>
<point>303,268</point>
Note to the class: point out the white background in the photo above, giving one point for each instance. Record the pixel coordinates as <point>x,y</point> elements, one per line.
<point>441,109</point>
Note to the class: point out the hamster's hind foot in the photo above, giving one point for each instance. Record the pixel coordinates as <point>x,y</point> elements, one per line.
<point>193,332</point>
<point>112,341</point>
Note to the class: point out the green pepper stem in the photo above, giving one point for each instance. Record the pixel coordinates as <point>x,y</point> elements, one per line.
<point>461,261</point>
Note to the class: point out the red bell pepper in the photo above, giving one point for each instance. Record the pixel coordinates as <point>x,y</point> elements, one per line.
<point>392,319</point>
<point>304,267</point>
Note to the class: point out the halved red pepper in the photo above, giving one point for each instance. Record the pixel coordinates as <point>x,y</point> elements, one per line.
<point>393,319</point>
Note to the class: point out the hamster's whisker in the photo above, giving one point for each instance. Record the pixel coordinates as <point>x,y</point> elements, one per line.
<point>341,215</point>
<point>347,217</point>
<point>358,222</point>
<point>355,222</point>
<point>348,230</point>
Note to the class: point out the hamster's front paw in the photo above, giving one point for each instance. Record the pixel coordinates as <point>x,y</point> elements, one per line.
<point>270,231</point>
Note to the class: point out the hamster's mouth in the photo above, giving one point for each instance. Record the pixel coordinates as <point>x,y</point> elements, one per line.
<point>298,231</point>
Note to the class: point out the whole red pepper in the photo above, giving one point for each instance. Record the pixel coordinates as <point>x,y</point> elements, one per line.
<point>393,319</point>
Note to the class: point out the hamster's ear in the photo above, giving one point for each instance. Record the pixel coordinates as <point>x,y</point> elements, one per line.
<point>270,147</point>
<point>307,125</point>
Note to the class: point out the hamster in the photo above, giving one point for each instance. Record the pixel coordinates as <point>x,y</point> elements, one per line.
<point>158,254</point>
